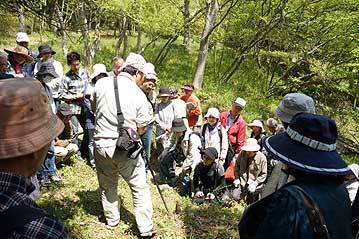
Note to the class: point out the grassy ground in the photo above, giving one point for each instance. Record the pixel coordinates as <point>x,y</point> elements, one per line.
<point>77,203</point>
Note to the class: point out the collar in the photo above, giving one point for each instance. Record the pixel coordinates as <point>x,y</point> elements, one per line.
<point>15,183</point>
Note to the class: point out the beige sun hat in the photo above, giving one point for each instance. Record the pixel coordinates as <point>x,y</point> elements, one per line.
<point>97,70</point>
<point>240,102</point>
<point>251,145</point>
<point>212,112</point>
<point>27,122</point>
<point>256,123</point>
<point>20,50</point>
<point>149,70</point>
<point>135,60</point>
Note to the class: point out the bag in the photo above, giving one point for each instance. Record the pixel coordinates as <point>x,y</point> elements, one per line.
<point>229,174</point>
<point>128,139</point>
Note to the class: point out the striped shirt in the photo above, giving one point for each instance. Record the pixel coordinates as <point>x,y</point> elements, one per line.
<point>15,190</point>
<point>72,85</point>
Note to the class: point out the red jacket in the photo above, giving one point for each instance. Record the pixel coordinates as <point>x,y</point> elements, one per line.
<point>237,131</point>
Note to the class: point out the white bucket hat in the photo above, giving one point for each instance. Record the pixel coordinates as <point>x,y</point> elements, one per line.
<point>240,102</point>
<point>135,60</point>
<point>251,145</point>
<point>97,70</point>
<point>22,37</point>
<point>149,70</point>
<point>355,169</point>
<point>212,112</point>
<point>256,123</point>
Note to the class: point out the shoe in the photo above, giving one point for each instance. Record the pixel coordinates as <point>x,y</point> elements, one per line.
<point>55,178</point>
<point>150,233</point>
<point>45,182</point>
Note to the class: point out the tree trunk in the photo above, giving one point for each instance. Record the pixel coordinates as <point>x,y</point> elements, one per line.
<point>165,49</point>
<point>186,25</point>
<point>139,39</point>
<point>125,37</point>
<point>85,34</point>
<point>22,27</point>
<point>96,41</point>
<point>120,39</point>
<point>60,29</point>
<point>211,14</point>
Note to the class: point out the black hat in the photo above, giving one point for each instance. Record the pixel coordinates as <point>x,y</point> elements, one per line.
<point>210,152</point>
<point>178,125</point>
<point>44,49</point>
<point>47,68</point>
<point>164,91</point>
<point>65,109</point>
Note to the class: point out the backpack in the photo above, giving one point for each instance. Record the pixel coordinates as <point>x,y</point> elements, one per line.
<point>200,137</point>
<point>219,129</point>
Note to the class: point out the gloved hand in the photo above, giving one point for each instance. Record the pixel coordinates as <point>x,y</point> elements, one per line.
<point>199,194</point>
<point>236,182</point>
<point>252,187</point>
<point>210,196</point>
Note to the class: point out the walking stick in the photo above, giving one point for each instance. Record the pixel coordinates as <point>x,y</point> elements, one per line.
<point>155,181</point>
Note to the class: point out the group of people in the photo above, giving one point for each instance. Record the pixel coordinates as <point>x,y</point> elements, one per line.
<point>284,177</point>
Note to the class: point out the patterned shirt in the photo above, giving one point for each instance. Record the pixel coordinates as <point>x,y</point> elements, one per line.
<point>15,190</point>
<point>72,85</point>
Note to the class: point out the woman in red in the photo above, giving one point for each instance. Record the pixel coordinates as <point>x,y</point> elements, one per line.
<point>194,112</point>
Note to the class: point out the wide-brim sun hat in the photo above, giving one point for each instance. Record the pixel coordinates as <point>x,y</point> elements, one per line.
<point>164,92</point>
<point>214,112</point>
<point>20,50</point>
<point>97,70</point>
<point>47,68</point>
<point>251,145</point>
<point>22,37</point>
<point>292,104</point>
<point>308,145</point>
<point>135,60</point>
<point>150,73</point>
<point>256,123</point>
<point>27,122</point>
<point>178,125</point>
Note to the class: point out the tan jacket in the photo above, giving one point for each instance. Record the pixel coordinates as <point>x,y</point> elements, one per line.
<point>251,168</point>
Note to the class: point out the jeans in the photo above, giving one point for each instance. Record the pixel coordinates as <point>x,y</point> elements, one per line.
<point>133,172</point>
<point>168,165</point>
<point>76,120</point>
<point>146,141</point>
<point>48,168</point>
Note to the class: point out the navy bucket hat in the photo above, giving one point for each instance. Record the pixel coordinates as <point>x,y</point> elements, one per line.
<point>309,145</point>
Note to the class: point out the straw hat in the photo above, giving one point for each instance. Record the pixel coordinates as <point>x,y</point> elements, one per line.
<point>20,50</point>
<point>251,145</point>
<point>309,145</point>
<point>27,123</point>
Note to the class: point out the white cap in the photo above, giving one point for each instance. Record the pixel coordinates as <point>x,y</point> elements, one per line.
<point>240,102</point>
<point>212,112</point>
<point>22,37</point>
<point>251,145</point>
<point>135,60</point>
<point>97,70</point>
<point>256,123</point>
<point>149,70</point>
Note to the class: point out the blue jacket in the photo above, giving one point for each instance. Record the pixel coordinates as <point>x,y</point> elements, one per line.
<point>282,214</point>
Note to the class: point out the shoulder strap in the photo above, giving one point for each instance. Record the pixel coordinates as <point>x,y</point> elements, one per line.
<point>120,118</point>
<point>315,216</point>
<point>204,128</point>
<point>219,128</point>
<point>16,217</point>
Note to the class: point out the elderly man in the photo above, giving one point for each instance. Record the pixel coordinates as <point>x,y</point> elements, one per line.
<point>291,104</point>
<point>3,67</point>
<point>235,125</point>
<point>23,146</point>
<point>116,63</point>
<point>110,96</point>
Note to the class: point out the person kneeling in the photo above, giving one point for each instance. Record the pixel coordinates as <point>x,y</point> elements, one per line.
<point>208,175</point>
<point>64,148</point>
<point>183,150</point>
<point>250,172</point>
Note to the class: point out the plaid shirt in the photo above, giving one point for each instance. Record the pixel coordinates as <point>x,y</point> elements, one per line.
<point>72,85</point>
<point>15,190</point>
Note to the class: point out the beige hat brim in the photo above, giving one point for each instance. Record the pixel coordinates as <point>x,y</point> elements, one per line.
<point>29,59</point>
<point>27,144</point>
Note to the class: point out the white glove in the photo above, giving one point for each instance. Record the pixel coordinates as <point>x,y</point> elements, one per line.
<point>199,194</point>
<point>252,187</point>
<point>236,182</point>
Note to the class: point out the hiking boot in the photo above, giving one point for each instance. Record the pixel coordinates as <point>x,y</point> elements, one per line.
<point>150,233</point>
<point>55,178</point>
